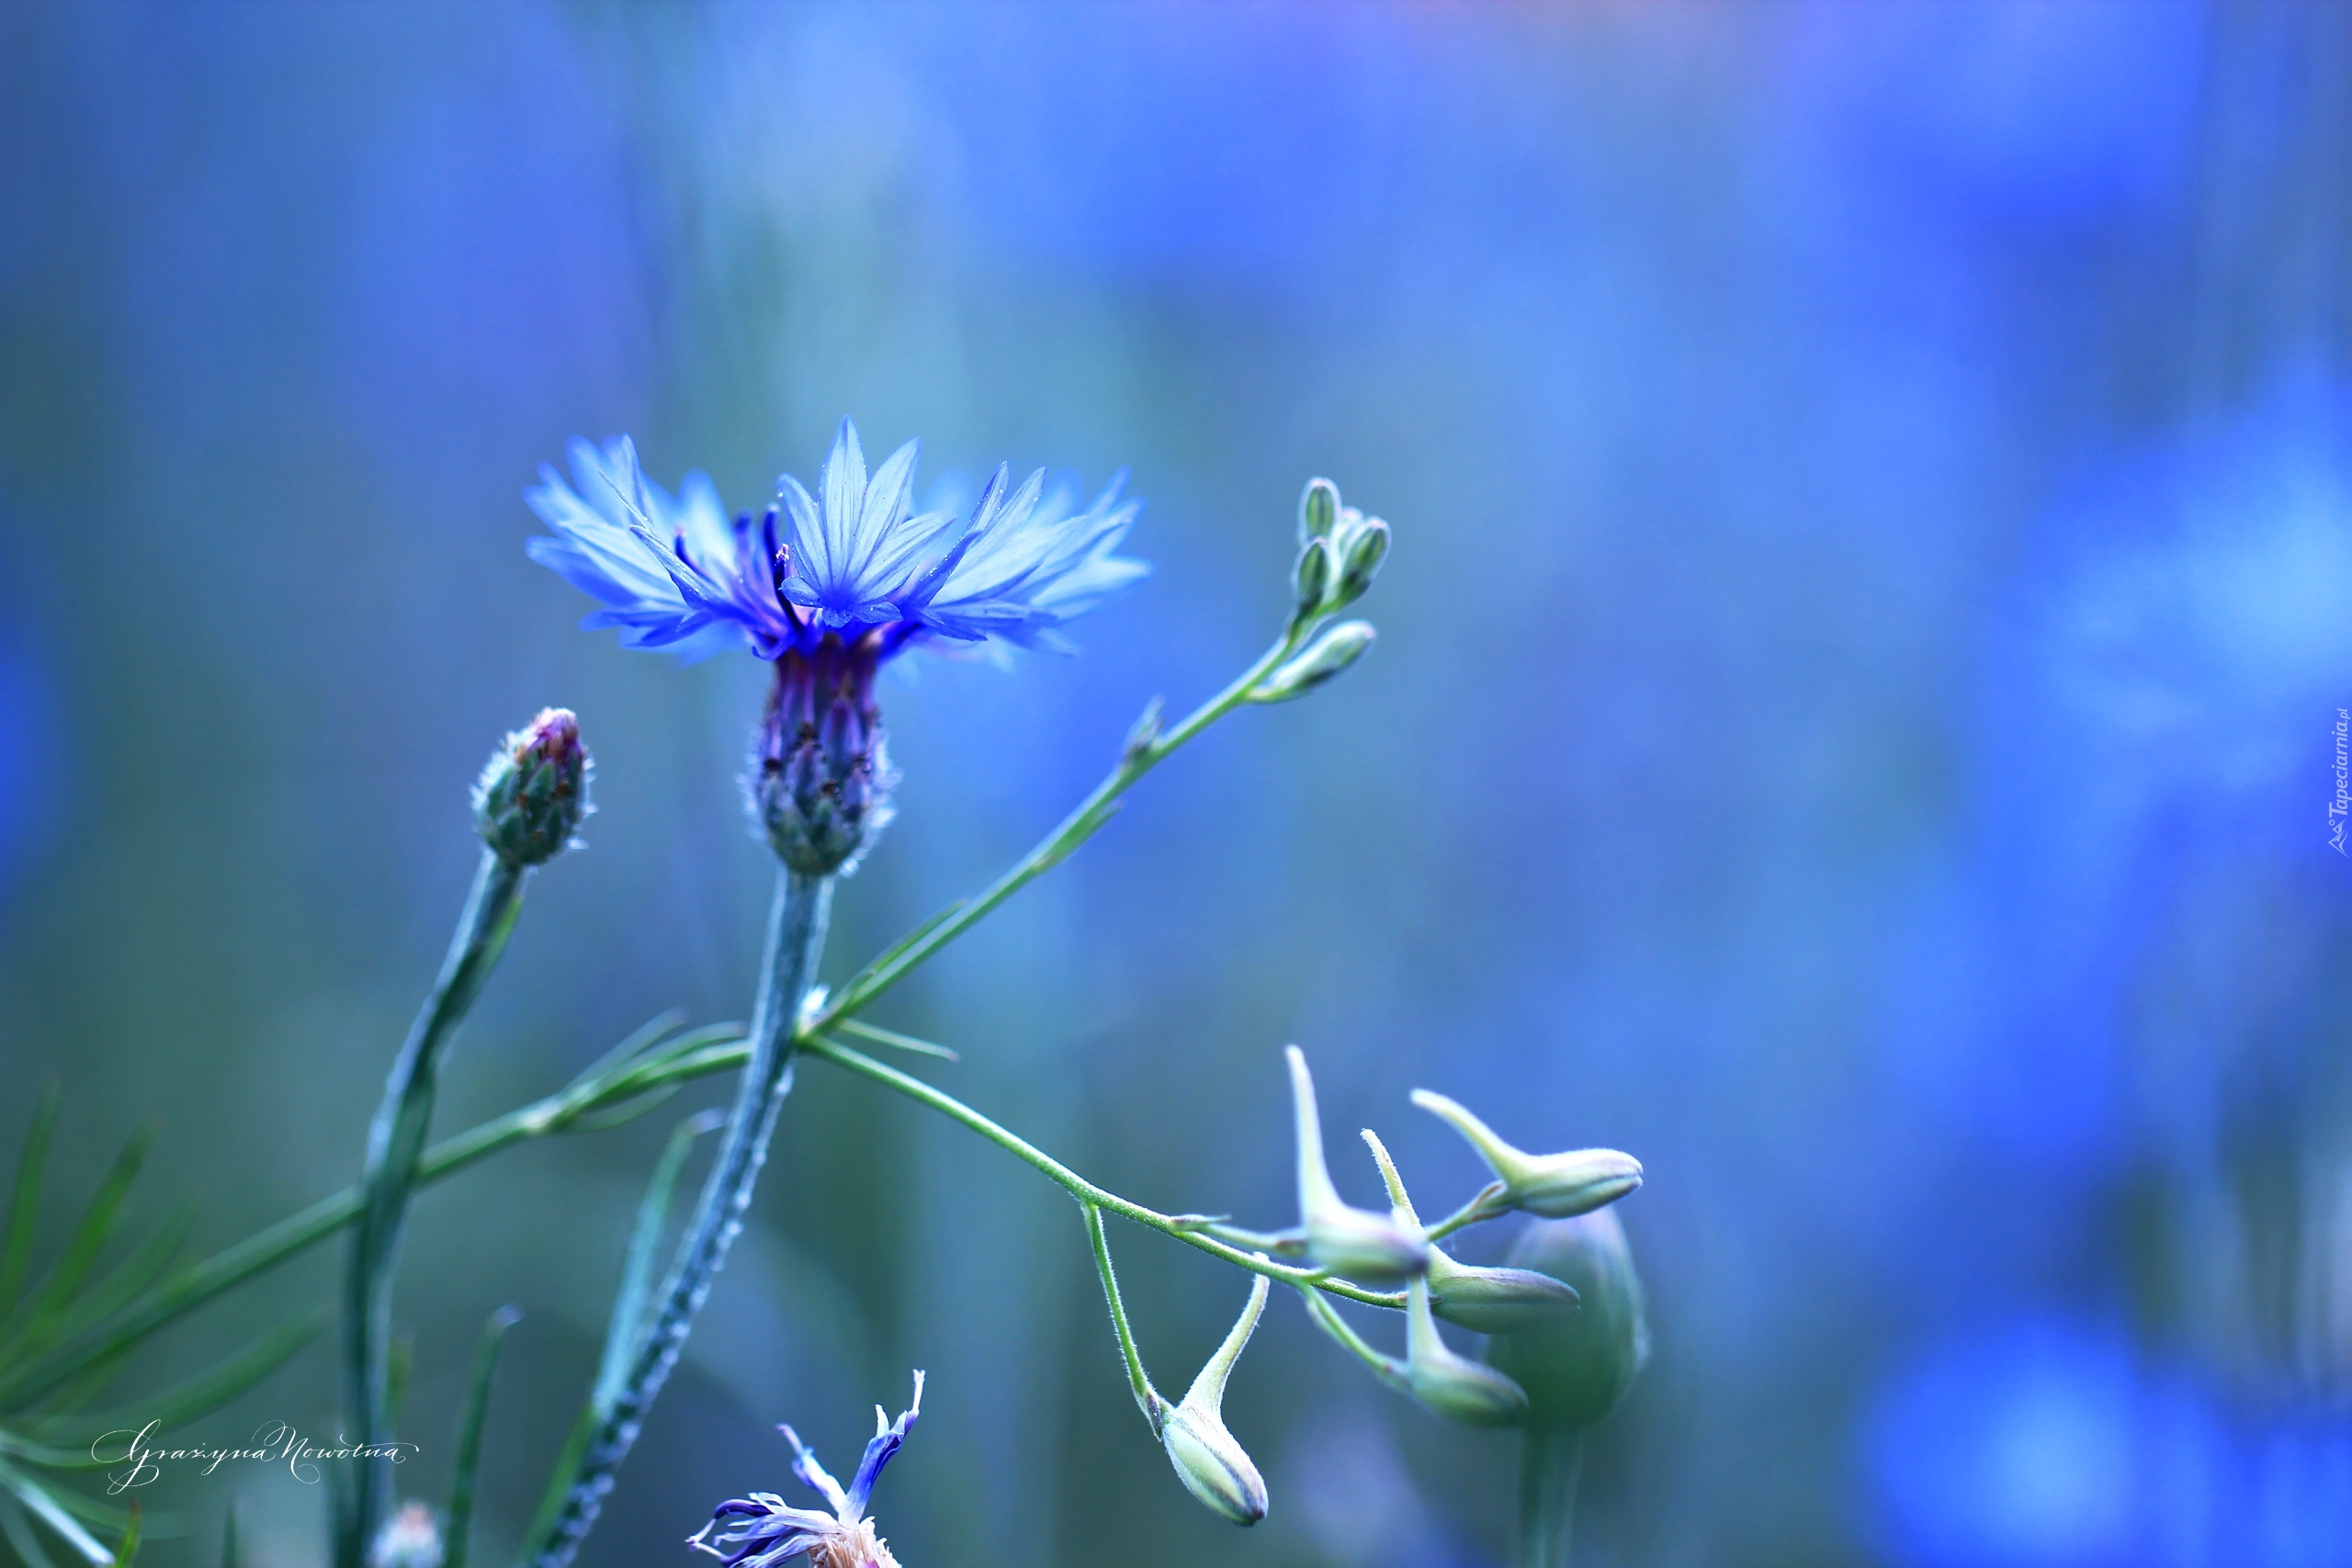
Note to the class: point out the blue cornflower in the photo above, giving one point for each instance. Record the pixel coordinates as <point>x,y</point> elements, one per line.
<point>827,586</point>
<point>851,561</point>
<point>762,1529</point>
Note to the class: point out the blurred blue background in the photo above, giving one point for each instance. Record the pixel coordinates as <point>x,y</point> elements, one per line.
<point>1852,722</point>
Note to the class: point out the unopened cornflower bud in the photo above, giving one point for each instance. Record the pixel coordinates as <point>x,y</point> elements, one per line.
<point>1552,1186</point>
<point>1354,1244</point>
<point>1211,1464</point>
<point>1329,654</point>
<point>410,1539</point>
<point>1311,578</point>
<point>530,799</point>
<point>1495,1300</point>
<point>820,779</point>
<point>1576,1369</point>
<point>1319,509</point>
<point>1452,1385</point>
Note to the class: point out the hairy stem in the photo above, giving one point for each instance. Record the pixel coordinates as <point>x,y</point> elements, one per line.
<point>1148,1398</point>
<point>796,938</point>
<point>395,1141</point>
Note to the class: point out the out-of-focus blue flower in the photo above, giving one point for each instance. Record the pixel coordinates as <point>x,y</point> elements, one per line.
<point>672,570</point>
<point>763,1528</point>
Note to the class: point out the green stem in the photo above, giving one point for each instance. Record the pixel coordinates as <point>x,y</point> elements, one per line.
<point>796,938</point>
<point>1141,756</point>
<point>395,1141</point>
<point>1551,1459</point>
<point>457,1532</point>
<point>1148,1398</point>
<point>1086,1191</point>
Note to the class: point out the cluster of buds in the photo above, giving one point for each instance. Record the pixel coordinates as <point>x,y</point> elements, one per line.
<point>1563,1317</point>
<point>530,800</point>
<point>1339,552</point>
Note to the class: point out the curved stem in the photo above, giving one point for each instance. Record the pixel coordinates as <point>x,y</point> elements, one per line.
<point>1086,1191</point>
<point>796,937</point>
<point>1148,1398</point>
<point>395,1141</point>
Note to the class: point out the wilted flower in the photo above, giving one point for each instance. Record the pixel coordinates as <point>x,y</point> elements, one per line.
<point>763,1529</point>
<point>1554,1186</point>
<point>1355,1244</point>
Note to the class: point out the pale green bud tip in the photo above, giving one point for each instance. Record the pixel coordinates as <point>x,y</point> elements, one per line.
<point>1363,543</point>
<point>1310,579</point>
<point>1352,1243</point>
<point>1495,1300</point>
<point>531,798</point>
<point>1323,658</point>
<point>1319,509</point>
<point>1551,1186</point>
<point>1213,1467</point>
<point>1576,1369</point>
<point>1452,1385</point>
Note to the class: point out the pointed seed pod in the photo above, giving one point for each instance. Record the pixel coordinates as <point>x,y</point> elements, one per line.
<point>1354,1244</point>
<point>529,801</point>
<point>1211,1464</point>
<point>1552,1186</point>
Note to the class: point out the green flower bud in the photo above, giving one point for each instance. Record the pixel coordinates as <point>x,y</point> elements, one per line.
<point>1495,1300</point>
<point>1213,1467</point>
<point>1319,509</point>
<point>1575,1370</point>
<point>1454,1386</point>
<point>1355,1244</point>
<point>1364,545</point>
<point>1338,648</point>
<point>529,801</point>
<point>1554,1186</point>
<point>1310,579</point>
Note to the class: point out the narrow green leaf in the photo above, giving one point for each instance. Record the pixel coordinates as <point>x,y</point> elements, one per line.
<point>145,1264</point>
<point>24,1199</point>
<point>90,1234</point>
<point>642,1038</point>
<point>18,1530</point>
<point>231,1557</point>
<point>127,1552</point>
<point>893,1038</point>
<point>50,1510</point>
<point>644,1246</point>
<point>459,1518</point>
<point>203,1393</point>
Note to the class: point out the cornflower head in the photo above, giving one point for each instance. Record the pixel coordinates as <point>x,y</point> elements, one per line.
<point>763,1529</point>
<point>827,586</point>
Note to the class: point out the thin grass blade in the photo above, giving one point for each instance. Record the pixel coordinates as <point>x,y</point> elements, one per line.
<point>24,1200</point>
<point>459,1524</point>
<point>644,1246</point>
